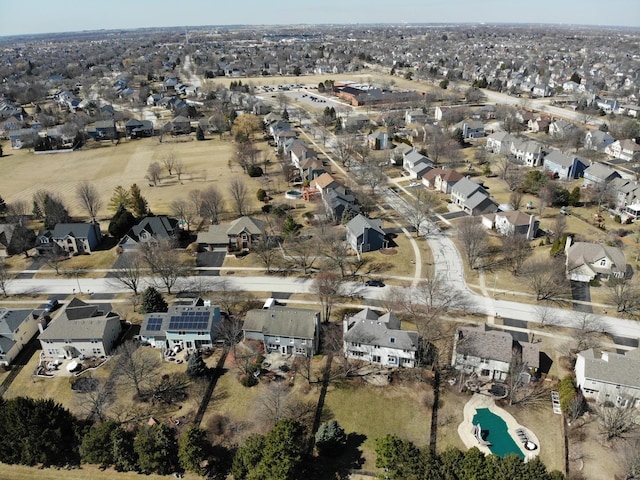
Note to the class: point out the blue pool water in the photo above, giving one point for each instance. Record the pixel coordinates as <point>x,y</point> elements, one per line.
<point>501,442</point>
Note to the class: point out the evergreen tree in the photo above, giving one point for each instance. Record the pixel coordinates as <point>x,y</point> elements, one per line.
<point>152,301</point>
<point>199,133</point>
<point>248,456</point>
<point>157,449</point>
<point>195,366</point>
<point>290,228</point>
<point>282,453</point>
<point>121,222</point>
<point>139,205</point>
<point>124,456</point>
<point>193,448</point>
<point>96,443</point>
<point>330,438</point>
<point>285,114</point>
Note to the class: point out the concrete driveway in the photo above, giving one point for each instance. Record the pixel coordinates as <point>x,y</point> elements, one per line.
<point>207,260</point>
<point>580,291</point>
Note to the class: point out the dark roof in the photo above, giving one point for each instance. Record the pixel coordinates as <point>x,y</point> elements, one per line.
<point>282,322</point>
<point>193,317</point>
<point>160,227</point>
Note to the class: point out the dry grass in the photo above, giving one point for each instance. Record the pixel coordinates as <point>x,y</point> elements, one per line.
<point>377,411</point>
<point>19,472</point>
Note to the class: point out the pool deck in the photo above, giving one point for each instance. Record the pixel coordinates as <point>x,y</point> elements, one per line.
<point>465,429</point>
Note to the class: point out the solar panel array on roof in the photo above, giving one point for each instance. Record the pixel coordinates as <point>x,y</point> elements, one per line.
<point>154,323</point>
<point>189,321</point>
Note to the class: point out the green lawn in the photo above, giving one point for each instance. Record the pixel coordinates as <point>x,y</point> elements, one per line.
<point>377,411</point>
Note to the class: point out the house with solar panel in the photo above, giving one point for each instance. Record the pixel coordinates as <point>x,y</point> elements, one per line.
<point>289,331</point>
<point>186,326</point>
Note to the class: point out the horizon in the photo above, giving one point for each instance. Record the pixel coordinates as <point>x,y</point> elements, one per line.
<point>122,15</point>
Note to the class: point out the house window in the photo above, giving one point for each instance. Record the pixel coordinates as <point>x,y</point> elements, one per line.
<point>376,346</point>
<point>354,344</point>
<point>484,372</point>
<point>603,262</point>
<point>622,402</point>
<point>392,360</point>
<point>375,358</point>
<point>392,340</point>
<point>356,353</point>
<point>483,360</point>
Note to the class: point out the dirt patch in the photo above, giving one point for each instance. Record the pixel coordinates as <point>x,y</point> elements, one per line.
<point>388,251</point>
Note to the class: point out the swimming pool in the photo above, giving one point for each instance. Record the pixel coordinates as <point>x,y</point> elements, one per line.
<point>495,431</point>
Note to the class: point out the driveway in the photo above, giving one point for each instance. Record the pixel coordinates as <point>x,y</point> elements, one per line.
<point>208,260</point>
<point>36,263</point>
<point>580,291</point>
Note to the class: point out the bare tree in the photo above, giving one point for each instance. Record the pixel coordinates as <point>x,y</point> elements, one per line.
<point>128,272</point>
<point>521,391</point>
<point>232,299</point>
<point>514,177</point>
<point>239,194</point>
<point>154,173</point>
<point>229,330</point>
<point>169,162</point>
<point>327,286</point>
<point>473,238</point>
<point>515,198</point>
<point>336,251</point>
<point>268,253</point>
<point>54,257</point>
<point>624,295</point>
<point>560,227</point>
<point>547,278</point>
<point>164,262</point>
<point>343,150</point>
<point>371,174</point>
<point>179,169</point>
<point>95,399</point>
<point>89,198</point>
<point>5,278</point>
<point>211,205</point>
<point>516,250</point>
<point>138,365</point>
<point>184,211</point>
<point>419,206</point>
<point>303,252</point>
<point>545,316</point>
<point>616,422</point>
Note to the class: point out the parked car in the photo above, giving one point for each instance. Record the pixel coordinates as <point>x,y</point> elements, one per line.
<point>51,305</point>
<point>374,283</point>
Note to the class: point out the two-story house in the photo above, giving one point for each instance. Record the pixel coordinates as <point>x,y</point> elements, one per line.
<point>289,331</point>
<point>490,353</point>
<point>472,198</point>
<point>241,234</point>
<point>441,179</point>
<point>416,164</point>
<point>81,329</point>
<point>17,328</point>
<point>609,377</point>
<point>379,339</point>
<point>365,234</point>
<point>149,230</point>
<point>193,324</point>
<point>70,238</point>
<point>586,261</point>
<point>512,222</point>
<point>565,167</point>
<point>500,142</point>
<point>599,174</point>
<point>597,140</point>
<point>623,149</point>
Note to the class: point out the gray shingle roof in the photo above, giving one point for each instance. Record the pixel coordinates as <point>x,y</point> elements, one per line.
<point>585,253</point>
<point>282,322</point>
<point>491,344</point>
<point>466,187</point>
<point>367,328</point>
<point>613,367</point>
<point>79,321</point>
<point>358,223</point>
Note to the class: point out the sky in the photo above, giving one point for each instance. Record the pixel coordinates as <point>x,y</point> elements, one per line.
<point>44,16</point>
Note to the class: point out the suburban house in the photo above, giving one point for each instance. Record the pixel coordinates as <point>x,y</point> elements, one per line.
<point>354,122</point>
<point>609,377</point>
<point>499,142</point>
<point>311,168</point>
<point>565,167</point>
<point>14,238</point>
<point>415,116</point>
<point>190,325</point>
<point>623,149</point>
<point>599,174</point>
<point>378,141</point>
<point>138,128</point>
<point>289,331</point>
<point>472,197</point>
<point>587,261</point>
<point>338,205</point>
<point>539,124</point>
<point>81,330</point>
<point>365,234</point>
<point>416,164</point>
<point>490,353</point>
<point>512,222</point>
<point>17,327</point>
<point>70,238</point>
<point>562,129</point>
<point>105,129</point>
<point>325,182</point>
<point>398,152</point>
<point>241,234</point>
<point>528,152</point>
<point>179,126</point>
<point>627,195</point>
<point>370,337</point>
<point>441,179</point>
<point>597,140</point>
<point>470,128</point>
<point>149,230</point>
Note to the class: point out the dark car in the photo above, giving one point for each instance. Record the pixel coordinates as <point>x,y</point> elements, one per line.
<point>51,306</point>
<point>374,283</point>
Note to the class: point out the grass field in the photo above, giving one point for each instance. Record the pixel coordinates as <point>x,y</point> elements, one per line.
<point>377,411</point>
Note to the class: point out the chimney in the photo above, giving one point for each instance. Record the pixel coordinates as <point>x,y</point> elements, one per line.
<point>568,244</point>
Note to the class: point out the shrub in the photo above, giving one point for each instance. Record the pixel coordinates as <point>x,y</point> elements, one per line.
<point>255,171</point>
<point>566,390</point>
<point>617,219</point>
<point>248,381</point>
<point>261,194</point>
